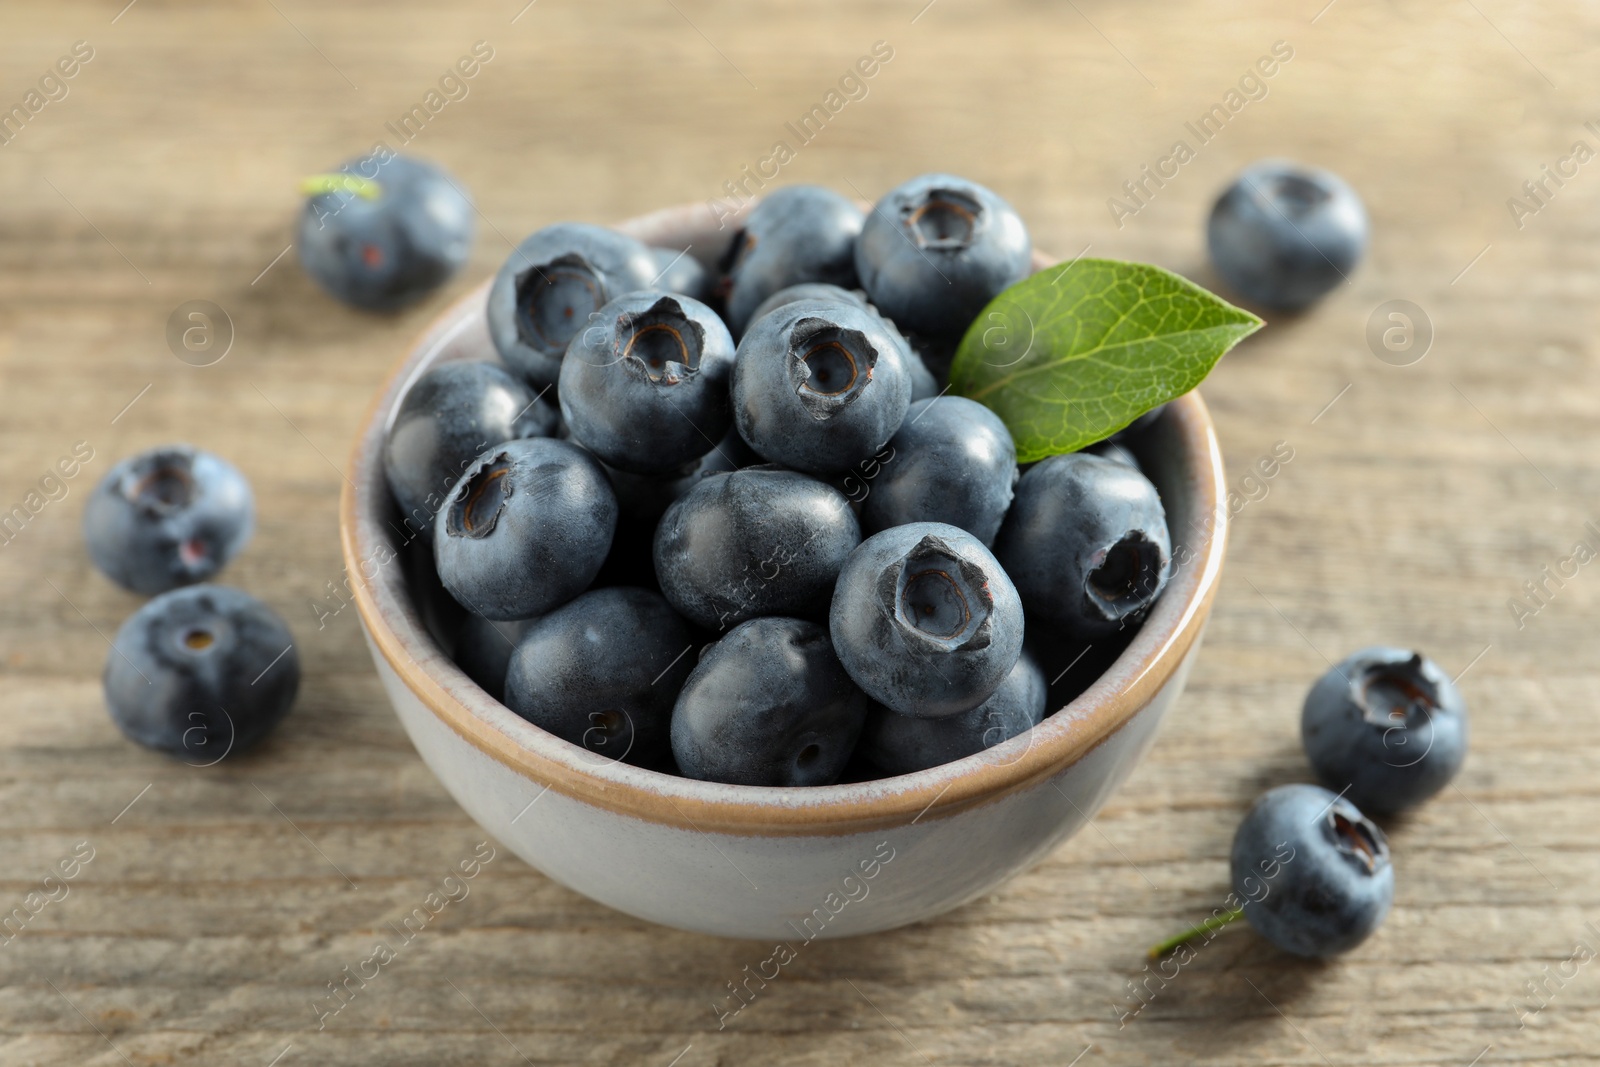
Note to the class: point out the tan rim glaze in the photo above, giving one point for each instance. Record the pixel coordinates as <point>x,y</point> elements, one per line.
<point>396,629</point>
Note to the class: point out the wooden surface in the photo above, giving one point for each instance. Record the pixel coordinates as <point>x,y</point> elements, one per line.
<point>220,903</point>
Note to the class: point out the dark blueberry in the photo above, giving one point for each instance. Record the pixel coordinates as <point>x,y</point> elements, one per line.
<point>525,529</point>
<point>924,386</point>
<point>1086,542</point>
<point>828,294</point>
<point>936,250</point>
<point>1311,871</point>
<point>768,704</point>
<point>551,286</point>
<point>925,620</point>
<point>1388,726</point>
<point>445,421</point>
<point>952,462</point>
<point>603,672</point>
<point>1115,451</point>
<point>202,673</point>
<point>645,387</point>
<point>800,233</point>
<point>901,744</point>
<point>679,272</point>
<point>389,238</point>
<point>1282,235</point>
<point>483,650</point>
<point>168,517</point>
<point>820,387</point>
<point>757,541</point>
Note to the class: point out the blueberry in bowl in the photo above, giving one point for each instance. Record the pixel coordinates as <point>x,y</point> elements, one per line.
<point>797,234</point>
<point>168,517</point>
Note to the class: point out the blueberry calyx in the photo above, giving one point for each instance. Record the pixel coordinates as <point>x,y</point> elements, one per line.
<point>943,219</point>
<point>1297,195</point>
<point>829,366</point>
<point>1393,695</point>
<point>1124,576</point>
<point>167,488</point>
<point>475,512</point>
<point>661,342</point>
<point>557,298</point>
<point>938,598</point>
<point>1358,841</point>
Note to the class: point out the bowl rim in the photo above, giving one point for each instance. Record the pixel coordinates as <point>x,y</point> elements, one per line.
<point>396,632</point>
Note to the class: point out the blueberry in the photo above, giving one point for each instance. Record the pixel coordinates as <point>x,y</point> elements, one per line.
<point>525,529</point>
<point>1388,726</point>
<point>645,387</point>
<point>1115,451</point>
<point>936,250</point>
<point>1282,235</point>
<point>552,284</point>
<point>202,672</point>
<point>446,420</point>
<point>820,387</point>
<point>953,462</point>
<point>768,704</point>
<point>925,620</point>
<point>1312,871</point>
<point>901,744</point>
<point>800,233</point>
<point>393,249</point>
<point>757,541</point>
<point>483,650</point>
<point>603,672</point>
<point>828,294</point>
<point>168,517</point>
<point>924,385</point>
<point>679,272</point>
<point>1086,542</point>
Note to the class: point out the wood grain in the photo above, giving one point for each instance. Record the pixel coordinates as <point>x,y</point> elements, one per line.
<point>221,903</point>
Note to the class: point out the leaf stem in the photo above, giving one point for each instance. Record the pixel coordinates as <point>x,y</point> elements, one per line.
<point>320,184</point>
<point>1216,922</point>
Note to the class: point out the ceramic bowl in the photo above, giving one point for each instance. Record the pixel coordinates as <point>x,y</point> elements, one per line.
<point>774,863</point>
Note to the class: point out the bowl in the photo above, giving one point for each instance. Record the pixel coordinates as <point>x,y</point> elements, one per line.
<point>773,863</point>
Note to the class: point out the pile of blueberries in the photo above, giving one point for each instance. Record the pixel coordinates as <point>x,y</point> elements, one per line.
<point>727,522</point>
<point>201,671</point>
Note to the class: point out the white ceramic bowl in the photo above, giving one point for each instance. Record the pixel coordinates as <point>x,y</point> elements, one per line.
<point>775,863</point>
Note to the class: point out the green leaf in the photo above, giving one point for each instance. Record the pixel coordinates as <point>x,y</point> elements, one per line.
<point>1074,353</point>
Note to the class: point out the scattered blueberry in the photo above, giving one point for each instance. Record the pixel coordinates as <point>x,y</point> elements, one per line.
<point>1314,872</point>
<point>445,421</point>
<point>757,541</point>
<point>168,517</point>
<point>645,388</point>
<point>551,286</point>
<point>936,250</point>
<point>901,744</point>
<point>1283,235</point>
<point>525,529</point>
<point>820,387</point>
<point>925,620</point>
<point>603,672</point>
<point>388,241</point>
<point>679,272</point>
<point>1388,726</point>
<point>483,650</point>
<point>800,233</point>
<point>1086,542</point>
<point>768,704</point>
<point>202,672</point>
<point>953,462</point>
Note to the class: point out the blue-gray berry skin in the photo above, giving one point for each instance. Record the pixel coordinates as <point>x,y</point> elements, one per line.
<point>756,541</point>
<point>603,672</point>
<point>645,386</point>
<point>444,422</point>
<point>1116,452</point>
<point>1282,234</point>
<point>768,704</point>
<point>953,462</point>
<point>483,650</point>
<point>799,233</point>
<point>525,529</point>
<point>819,387</point>
<point>828,294</point>
<point>1388,726</point>
<point>384,253</point>
<point>679,272</point>
<point>936,250</point>
<point>1312,872</point>
<point>901,744</point>
<point>550,287</point>
<point>201,673</point>
<point>925,621</point>
<point>1086,542</point>
<point>168,517</point>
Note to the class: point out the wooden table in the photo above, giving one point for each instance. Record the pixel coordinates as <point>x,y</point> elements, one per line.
<point>218,903</point>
